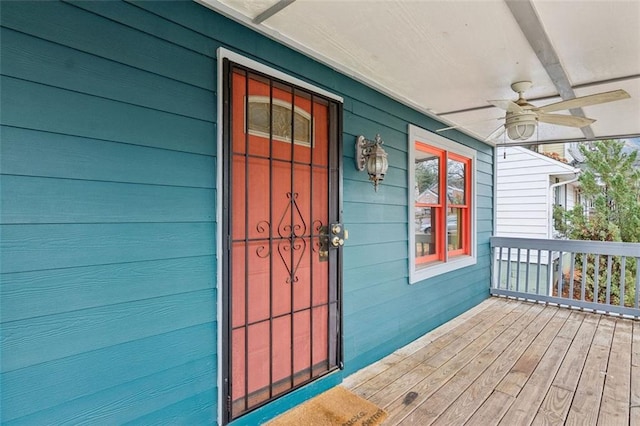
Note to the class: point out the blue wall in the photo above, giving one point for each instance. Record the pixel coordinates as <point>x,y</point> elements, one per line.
<point>108,201</point>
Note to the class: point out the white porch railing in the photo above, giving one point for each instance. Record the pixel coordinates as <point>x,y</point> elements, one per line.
<point>595,275</point>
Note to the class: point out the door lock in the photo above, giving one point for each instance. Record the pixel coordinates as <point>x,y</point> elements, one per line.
<point>338,234</point>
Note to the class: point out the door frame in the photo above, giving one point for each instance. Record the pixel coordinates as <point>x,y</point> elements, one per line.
<point>222,308</point>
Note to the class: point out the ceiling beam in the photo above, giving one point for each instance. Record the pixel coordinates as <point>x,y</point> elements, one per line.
<point>269,12</point>
<point>529,22</point>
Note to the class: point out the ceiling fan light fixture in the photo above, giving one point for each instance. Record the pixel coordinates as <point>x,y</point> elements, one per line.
<point>521,126</point>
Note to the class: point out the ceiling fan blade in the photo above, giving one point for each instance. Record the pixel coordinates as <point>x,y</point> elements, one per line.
<point>565,120</point>
<point>457,126</point>
<point>496,133</point>
<point>598,98</point>
<point>506,105</point>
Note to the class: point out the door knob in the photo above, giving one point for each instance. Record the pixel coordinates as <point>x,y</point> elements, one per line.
<point>338,234</point>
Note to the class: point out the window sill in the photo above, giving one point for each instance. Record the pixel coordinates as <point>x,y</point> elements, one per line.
<point>440,268</point>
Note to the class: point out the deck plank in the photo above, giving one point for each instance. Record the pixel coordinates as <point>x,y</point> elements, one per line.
<point>586,402</point>
<point>473,397</point>
<point>365,374</point>
<point>614,408</point>
<point>555,407</point>
<point>426,414</point>
<point>445,328</point>
<point>526,405</point>
<point>377,383</point>
<point>512,363</point>
<point>394,366</point>
<point>425,388</point>
<point>462,335</point>
<point>513,383</point>
<point>634,409</point>
<point>492,410</point>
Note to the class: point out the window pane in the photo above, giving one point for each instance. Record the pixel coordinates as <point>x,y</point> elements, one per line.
<point>456,172</point>
<point>426,232</point>
<point>426,177</point>
<point>454,229</point>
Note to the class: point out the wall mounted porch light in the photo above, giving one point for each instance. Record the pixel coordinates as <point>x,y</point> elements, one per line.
<point>371,156</point>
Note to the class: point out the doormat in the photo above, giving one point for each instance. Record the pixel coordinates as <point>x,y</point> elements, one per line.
<point>335,407</point>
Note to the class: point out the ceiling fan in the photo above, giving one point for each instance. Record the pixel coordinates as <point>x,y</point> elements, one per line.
<point>522,117</point>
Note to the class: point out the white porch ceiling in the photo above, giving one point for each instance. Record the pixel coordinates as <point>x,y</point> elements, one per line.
<point>447,58</point>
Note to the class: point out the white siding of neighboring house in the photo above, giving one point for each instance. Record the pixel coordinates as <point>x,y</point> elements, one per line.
<point>522,202</point>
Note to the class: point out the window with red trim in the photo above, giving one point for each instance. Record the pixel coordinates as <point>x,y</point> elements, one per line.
<point>442,206</point>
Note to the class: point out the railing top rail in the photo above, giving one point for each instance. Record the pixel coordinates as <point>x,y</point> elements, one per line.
<point>575,246</point>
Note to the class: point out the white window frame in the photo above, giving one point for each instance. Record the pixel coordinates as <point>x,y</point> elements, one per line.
<point>417,134</point>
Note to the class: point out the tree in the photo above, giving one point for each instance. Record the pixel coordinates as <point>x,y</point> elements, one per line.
<point>611,181</point>
<point>426,173</point>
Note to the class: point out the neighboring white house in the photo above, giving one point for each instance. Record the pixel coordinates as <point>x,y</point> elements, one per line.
<point>529,184</point>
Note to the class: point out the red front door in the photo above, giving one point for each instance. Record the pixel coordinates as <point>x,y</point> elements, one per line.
<point>281,277</point>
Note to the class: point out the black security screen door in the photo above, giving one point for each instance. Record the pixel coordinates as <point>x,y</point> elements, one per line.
<point>281,273</point>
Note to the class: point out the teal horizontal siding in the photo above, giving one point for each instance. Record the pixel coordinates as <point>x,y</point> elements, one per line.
<point>135,15</point>
<point>41,107</point>
<point>382,296</point>
<point>367,234</point>
<point>108,206</point>
<point>62,23</point>
<point>35,340</point>
<point>378,115</point>
<point>82,72</point>
<point>38,247</point>
<point>54,291</point>
<point>365,255</point>
<point>413,310</point>
<point>108,251</point>
<point>65,156</point>
<point>65,379</point>
<point>431,318</point>
<point>389,214</point>
<point>364,276</point>
<point>387,195</point>
<point>46,200</point>
<point>148,394</point>
<point>195,410</point>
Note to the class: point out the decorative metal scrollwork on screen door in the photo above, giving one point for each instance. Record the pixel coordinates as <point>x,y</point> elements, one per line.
<point>291,245</point>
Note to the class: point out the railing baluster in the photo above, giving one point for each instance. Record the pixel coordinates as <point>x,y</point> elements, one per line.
<point>499,267</point>
<point>538,272</point>
<point>623,273</point>
<point>572,271</point>
<point>596,274</point>
<point>608,296</point>
<point>508,282</point>
<point>549,274</point>
<point>494,268</point>
<point>526,280</point>
<point>560,254</point>
<point>585,260</point>
<point>637,305</point>
<point>518,270</point>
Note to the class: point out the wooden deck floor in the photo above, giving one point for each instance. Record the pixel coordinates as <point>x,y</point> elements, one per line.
<point>512,363</point>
